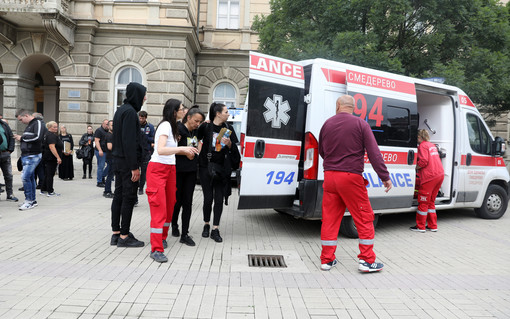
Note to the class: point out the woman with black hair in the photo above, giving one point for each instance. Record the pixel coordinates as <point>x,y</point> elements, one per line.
<point>219,154</point>
<point>161,176</point>
<point>186,167</point>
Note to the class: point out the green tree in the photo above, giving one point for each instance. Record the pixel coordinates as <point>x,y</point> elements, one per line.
<point>465,41</point>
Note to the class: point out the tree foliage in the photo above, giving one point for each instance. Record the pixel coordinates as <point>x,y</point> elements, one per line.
<point>467,42</point>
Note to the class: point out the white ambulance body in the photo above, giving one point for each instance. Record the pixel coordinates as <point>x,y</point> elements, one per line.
<point>289,102</point>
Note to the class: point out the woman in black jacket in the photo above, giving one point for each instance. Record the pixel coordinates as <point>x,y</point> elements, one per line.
<point>219,150</point>
<point>87,144</point>
<point>66,169</point>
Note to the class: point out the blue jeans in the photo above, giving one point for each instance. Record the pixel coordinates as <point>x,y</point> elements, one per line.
<point>30,162</point>
<point>109,176</point>
<point>101,170</point>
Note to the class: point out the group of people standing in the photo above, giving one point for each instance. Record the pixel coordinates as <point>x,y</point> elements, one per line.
<point>183,143</point>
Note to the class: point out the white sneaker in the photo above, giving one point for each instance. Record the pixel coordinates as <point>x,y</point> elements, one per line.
<point>53,194</point>
<point>27,205</point>
<point>329,265</point>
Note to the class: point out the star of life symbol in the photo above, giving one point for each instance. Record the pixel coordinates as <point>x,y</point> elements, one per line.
<point>276,111</point>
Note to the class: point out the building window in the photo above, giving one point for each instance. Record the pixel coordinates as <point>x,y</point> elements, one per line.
<point>225,93</point>
<point>228,14</point>
<point>122,79</point>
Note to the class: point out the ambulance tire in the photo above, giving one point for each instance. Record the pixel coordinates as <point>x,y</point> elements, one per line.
<point>348,229</point>
<point>494,203</point>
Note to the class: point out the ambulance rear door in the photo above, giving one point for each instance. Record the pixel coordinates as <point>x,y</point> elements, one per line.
<point>272,133</point>
<point>388,103</point>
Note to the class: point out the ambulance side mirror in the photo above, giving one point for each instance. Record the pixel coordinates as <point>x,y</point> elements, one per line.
<point>498,147</point>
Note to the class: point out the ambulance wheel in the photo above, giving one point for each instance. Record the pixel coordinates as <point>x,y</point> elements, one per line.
<point>494,204</point>
<point>348,229</point>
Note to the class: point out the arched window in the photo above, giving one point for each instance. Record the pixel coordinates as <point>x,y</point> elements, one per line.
<point>122,79</point>
<point>225,93</point>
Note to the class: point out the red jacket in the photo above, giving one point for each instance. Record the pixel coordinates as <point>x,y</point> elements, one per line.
<point>429,162</point>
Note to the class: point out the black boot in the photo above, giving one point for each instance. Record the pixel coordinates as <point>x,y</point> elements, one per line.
<point>175,230</point>
<point>205,232</point>
<point>215,235</point>
<point>84,176</point>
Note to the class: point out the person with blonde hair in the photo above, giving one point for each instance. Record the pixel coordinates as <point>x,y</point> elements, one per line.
<point>430,175</point>
<point>52,156</point>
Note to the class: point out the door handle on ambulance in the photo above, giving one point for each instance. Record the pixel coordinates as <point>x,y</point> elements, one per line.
<point>260,148</point>
<point>468,159</point>
<point>410,157</point>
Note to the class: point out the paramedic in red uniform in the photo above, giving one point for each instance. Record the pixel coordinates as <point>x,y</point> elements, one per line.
<point>343,140</point>
<point>431,175</point>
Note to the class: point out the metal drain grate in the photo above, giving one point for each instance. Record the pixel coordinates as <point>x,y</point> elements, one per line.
<point>271,261</point>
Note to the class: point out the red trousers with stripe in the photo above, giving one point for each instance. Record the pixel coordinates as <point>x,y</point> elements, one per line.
<point>427,194</point>
<point>346,190</point>
<point>161,188</point>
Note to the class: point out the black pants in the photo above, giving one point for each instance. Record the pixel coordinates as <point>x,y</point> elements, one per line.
<point>39,174</point>
<point>5,165</point>
<point>212,191</point>
<point>87,162</point>
<point>184,196</point>
<point>143,175</point>
<point>50,167</point>
<point>124,198</point>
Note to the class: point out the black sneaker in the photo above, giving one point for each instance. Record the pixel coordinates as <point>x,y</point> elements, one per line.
<point>415,228</point>
<point>12,198</point>
<point>215,235</point>
<point>205,232</point>
<point>159,257</point>
<point>328,266</point>
<point>165,244</point>
<point>84,177</point>
<point>130,242</point>
<point>108,194</point>
<point>175,231</point>
<point>140,192</point>
<point>115,239</point>
<point>187,240</point>
<point>100,185</point>
<point>90,176</point>
<point>366,267</point>
<point>430,229</point>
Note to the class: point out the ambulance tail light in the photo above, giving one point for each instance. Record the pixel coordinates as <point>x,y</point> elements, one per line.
<point>241,143</point>
<point>311,164</point>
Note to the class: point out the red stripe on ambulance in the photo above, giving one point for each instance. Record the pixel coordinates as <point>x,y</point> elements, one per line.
<point>380,82</point>
<point>389,158</point>
<point>334,76</point>
<point>465,100</point>
<point>483,161</point>
<point>276,67</point>
<point>274,150</point>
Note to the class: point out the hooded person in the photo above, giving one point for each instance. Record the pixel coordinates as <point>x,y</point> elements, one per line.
<point>127,153</point>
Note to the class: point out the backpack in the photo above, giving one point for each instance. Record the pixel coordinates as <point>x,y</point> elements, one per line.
<point>4,141</point>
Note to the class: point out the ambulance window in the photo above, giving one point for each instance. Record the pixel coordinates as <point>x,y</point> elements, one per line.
<point>397,128</point>
<point>479,138</point>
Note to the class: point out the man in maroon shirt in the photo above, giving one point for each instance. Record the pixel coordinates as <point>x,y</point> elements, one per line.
<point>343,140</point>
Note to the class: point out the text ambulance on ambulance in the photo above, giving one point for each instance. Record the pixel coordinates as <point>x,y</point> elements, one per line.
<point>288,102</point>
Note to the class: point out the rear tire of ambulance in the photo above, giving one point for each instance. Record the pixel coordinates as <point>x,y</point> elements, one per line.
<point>494,203</point>
<point>348,228</point>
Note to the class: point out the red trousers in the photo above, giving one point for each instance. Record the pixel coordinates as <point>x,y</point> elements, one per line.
<point>346,190</point>
<point>161,188</point>
<point>427,194</point>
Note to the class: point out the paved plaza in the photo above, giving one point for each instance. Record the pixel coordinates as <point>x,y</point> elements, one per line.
<point>56,262</point>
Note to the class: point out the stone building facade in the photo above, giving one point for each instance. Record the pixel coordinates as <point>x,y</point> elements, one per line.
<point>71,60</point>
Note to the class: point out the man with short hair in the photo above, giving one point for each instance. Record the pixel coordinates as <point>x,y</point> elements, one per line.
<point>6,148</point>
<point>31,154</point>
<point>344,185</point>
<point>100,143</point>
<point>148,132</point>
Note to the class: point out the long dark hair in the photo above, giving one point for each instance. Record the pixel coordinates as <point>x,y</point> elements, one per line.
<point>192,112</point>
<point>215,108</point>
<point>169,114</point>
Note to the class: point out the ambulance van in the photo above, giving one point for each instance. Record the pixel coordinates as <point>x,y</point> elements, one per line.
<point>288,102</point>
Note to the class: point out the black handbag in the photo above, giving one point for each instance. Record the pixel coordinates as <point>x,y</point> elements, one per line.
<point>80,153</point>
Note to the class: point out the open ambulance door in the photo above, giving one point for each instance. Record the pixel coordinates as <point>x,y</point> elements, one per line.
<point>388,103</point>
<point>273,133</point>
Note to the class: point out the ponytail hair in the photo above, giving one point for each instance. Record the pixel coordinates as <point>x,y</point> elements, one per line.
<point>215,108</point>
<point>170,115</point>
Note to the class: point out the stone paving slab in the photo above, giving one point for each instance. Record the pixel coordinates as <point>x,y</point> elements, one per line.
<point>56,262</point>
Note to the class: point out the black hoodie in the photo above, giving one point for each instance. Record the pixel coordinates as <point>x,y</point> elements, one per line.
<point>127,149</point>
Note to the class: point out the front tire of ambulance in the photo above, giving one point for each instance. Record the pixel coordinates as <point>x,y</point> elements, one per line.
<point>494,203</point>
<point>348,228</point>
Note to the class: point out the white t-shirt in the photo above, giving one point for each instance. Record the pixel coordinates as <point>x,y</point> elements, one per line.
<point>164,129</point>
